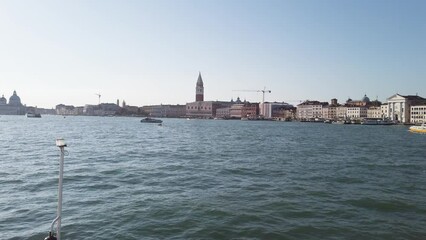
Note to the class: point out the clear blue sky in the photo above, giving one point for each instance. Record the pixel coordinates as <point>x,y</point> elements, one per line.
<point>150,52</point>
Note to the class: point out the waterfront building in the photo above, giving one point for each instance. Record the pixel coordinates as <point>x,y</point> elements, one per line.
<point>384,110</point>
<point>235,110</point>
<point>89,109</point>
<point>374,112</point>
<point>14,107</point>
<point>399,107</point>
<point>342,112</point>
<point>173,111</point>
<point>356,112</point>
<point>62,109</point>
<point>273,109</point>
<point>238,110</point>
<point>310,110</point>
<point>223,112</point>
<point>199,89</point>
<point>103,109</point>
<point>106,109</point>
<point>244,109</point>
<point>418,114</point>
<point>282,110</point>
<point>250,110</point>
<point>330,111</point>
<point>204,109</point>
<point>130,110</point>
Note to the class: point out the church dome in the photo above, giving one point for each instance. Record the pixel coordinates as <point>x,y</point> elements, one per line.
<point>3,100</point>
<point>365,98</point>
<point>15,100</point>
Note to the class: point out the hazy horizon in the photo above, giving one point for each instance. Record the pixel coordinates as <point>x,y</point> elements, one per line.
<point>150,52</point>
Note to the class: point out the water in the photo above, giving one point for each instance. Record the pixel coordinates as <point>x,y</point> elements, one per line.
<point>206,179</point>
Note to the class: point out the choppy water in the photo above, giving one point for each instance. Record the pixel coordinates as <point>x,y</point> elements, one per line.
<point>206,179</point>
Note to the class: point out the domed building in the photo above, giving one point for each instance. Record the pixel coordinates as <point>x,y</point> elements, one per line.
<point>15,100</point>
<point>364,102</point>
<point>14,107</point>
<point>3,101</point>
<point>365,99</point>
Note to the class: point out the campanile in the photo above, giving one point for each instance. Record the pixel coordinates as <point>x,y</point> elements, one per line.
<point>199,89</point>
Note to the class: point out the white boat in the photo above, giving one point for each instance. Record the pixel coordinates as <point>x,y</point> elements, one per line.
<point>340,122</point>
<point>33,115</point>
<point>370,121</point>
<point>418,129</point>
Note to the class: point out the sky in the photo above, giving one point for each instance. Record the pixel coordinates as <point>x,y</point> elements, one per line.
<point>150,52</point>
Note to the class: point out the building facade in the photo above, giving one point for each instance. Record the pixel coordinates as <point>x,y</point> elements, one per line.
<point>399,107</point>
<point>250,110</point>
<point>173,111</point>
<point>329,112</point>
<point>375,112</point>
<point>418,114</point>
<point>342,112</point>
<point>223,112</point>
<point>310,110</point>
<point>235,110</point>
<point>356,113</point>
<point>204,109</point>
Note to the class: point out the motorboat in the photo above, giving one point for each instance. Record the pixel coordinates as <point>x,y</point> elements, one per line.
<point>418,129</point>
<point>151,120</point>
<point>33,115</point>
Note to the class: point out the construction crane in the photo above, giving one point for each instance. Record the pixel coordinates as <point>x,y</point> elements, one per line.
<point>262,91</point>
<point>99,96</point>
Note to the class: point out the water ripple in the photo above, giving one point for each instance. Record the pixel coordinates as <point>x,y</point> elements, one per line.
<point>211,180</point>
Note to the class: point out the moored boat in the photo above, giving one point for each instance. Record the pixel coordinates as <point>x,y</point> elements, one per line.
<point>370,121</point>
<point>151,120</point>
<point>340,122</point>
<point>418,129</point>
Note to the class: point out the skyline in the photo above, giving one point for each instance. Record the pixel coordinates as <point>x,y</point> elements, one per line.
<point>150,52</point>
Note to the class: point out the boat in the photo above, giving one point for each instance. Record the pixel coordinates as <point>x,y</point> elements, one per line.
<point>151,120</point>
<point>33,115</point>
<point>328,121</point>
<point>340,122</point>
<point>418,129</point>
<point>373,121</point>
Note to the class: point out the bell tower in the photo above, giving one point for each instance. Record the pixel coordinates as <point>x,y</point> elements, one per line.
<point>199,89</point>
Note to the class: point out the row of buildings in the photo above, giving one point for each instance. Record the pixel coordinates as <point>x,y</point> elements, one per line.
<point>15,107</point>
<point>408,109</point>
<point>400,108</point>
